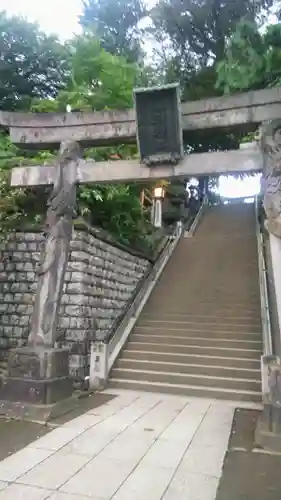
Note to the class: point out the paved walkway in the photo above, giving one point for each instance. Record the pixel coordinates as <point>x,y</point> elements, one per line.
<point>137,446</point>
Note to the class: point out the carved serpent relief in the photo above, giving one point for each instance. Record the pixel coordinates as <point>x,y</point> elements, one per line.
<point>56,247</point>
<point>270,143</point>
<point>61,207</point>
<point>273,392</point>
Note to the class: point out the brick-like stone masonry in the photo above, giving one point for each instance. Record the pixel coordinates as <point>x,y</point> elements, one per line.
<point>100,279</point>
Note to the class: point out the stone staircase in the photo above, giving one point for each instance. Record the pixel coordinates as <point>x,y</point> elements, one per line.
<point>200,332</point>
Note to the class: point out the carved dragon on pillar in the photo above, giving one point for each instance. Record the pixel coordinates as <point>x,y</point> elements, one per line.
<point>56,247</point>
<point>270,144</point>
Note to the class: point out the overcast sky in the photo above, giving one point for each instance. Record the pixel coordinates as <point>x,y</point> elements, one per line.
<point>54,16</point>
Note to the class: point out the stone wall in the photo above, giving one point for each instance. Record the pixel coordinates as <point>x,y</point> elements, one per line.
<point>100,279</point>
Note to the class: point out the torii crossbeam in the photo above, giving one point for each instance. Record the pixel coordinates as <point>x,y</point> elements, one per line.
<point>101,128</point>
<point>222,162</point>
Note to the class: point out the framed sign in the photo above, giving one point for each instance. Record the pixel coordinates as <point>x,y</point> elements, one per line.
<point>158,119</point>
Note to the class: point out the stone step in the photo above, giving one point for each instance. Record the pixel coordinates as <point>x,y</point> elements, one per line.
<point>240,334</point>
<point>187,379</point>
<point>178,304</point>
<point>246,317</point>
<point>187,297</point>
<point>197,359</point>
<point>127,362</point>
<point>202,302</point>
<point>186,390</point>
<point>203,350</point>
<point>219,273</point>
<point>211,314</point>
<point>143,326</point>
<point>201,309</point>
<point>187,341</point>
<point>209,292</point>
<point>177,319</point>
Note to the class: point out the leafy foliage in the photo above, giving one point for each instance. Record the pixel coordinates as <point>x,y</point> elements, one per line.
<point>253,59</point>
<point>197,31</point>
<point>19,206</point>
<point>115,23</point>
<point>115,208</point>
<point>192,39</point>
<point>98,80</point>
<point>32,64</point>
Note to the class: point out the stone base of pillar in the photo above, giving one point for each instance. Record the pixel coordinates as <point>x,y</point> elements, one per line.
<point>268,430</point>
<point>37,383</point>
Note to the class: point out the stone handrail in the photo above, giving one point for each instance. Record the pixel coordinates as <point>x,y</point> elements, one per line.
<point>268,359</point>
<point>105,352</point>
<point>265,314</point>
<point>267,431</point>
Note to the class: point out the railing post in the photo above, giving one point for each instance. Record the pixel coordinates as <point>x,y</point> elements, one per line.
<point>98,364</point>
<point>179,227</point>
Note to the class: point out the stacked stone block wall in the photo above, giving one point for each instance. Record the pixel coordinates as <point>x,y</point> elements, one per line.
<point>100,280</point>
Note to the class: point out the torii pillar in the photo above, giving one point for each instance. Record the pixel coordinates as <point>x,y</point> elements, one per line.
<point>38,374</point>
<point>268,431</point>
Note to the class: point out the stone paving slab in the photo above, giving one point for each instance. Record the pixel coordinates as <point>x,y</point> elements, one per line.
<point>54,472</point>
<point>19,492</point>
<point>67,496</point>
<point>165,453</point>
<point>135,446</point>
<point>145,482</point>
<point>101,477</point>
<point>21,462</point>
<point>57,438</point>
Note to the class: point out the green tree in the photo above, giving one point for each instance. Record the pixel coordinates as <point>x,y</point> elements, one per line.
<point>197,32</point>
<point>117,209</point>
<point>252,59</point>
<point>32,64</point>
<point>98,80</point>
<point>20,205</point>
<point>115,23</point>
<point>114,207</point>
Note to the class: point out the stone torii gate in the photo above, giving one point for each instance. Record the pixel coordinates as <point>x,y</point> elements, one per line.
<point>38,373</point>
